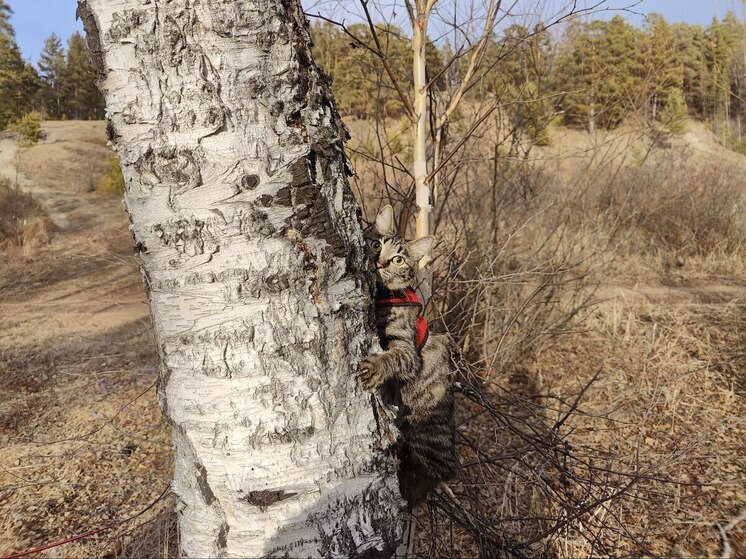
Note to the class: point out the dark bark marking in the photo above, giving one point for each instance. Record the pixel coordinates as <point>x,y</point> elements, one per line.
<point>310,266</point>
<point>264,499</point>
<point>234,19</point>
<point>297,31</point>
<point>339,540</point>
<point>204,487</point>
<point>249,182</point>
<point>256,222</point>
<point>239,274</point>
<point>111,133</point>
<point>188,236</point>
<point>124,24</point>
<point>265,200</point>
<point>93,38</point>
<point>222,540</point>
<point>162,383</point>
<point>176,168</point>
<point>174,40</point>
<point>312,216</point>
<point>196,278</point>
<point>284,197</point>
<point>295,119</point>
<point>292,435</point>
<point>277,283</point>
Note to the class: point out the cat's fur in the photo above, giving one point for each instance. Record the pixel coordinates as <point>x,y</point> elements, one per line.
<point>421,378</point>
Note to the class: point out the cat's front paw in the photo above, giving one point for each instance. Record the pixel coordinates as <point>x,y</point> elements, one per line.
<point>371,372</point>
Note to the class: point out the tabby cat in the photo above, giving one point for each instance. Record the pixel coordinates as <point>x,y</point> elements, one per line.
<point>413,365</point>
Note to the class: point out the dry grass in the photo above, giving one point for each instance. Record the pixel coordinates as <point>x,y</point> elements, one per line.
<point>617,433</point>
<point>674,211</point>
<point>611,433</point>
<point>73,158</point>
<point>84,443</point>
<point>621,441</point>
<point>665,412</point>
<point>24,226</point>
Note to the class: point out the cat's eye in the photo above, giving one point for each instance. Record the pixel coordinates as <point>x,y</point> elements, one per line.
<point>375,245</point>
<point>398,260</point>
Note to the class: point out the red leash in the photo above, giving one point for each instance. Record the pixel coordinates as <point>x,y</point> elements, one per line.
<point>56,544</point>
<point>86,534</point>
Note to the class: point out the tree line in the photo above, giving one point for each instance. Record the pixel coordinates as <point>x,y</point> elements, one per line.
<point>593,74</point>
<point>60,87</point>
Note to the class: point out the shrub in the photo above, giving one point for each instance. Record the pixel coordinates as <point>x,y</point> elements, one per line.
<point>23,222</point>
<point>673,115</point>
<point>29,129</point>
<point>676,207</point>
<point>113,182</point>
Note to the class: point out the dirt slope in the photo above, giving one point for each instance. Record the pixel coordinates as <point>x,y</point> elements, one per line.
<point>82,437</point>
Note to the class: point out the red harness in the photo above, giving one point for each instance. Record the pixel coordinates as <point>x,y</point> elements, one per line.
<point>410,299</point>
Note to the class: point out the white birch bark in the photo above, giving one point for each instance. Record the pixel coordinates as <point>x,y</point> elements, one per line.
<point>419,67</point>
<point>419,15</point>
<point>252,256</point>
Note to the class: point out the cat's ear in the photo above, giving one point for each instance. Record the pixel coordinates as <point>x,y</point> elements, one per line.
<point>419,248</point>
<point>385,221</point>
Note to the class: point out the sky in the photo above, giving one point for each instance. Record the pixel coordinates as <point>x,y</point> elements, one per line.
<point>34,20</point>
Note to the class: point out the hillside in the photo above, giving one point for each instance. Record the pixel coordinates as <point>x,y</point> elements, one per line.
<point>83,440</point>
<point>84,444</point>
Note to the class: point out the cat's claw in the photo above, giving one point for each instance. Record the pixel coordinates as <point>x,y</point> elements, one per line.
<point>443,487</point>
<point>369,373</point>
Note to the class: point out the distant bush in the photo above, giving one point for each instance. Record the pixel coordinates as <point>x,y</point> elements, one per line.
<point>28,128</point>
<point>675,207</point>
<point>736,142</point>
<point>23,222</point>
<point>673,115</point>
<point>113,182</point>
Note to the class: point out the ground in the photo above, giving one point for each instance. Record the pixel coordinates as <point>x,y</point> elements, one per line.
<point>84,443</point>
<point>85,446</point>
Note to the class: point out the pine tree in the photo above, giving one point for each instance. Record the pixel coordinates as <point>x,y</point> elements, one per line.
<point>602,71</point>
<point>520,73</point>
<point>718,63</point>
<point>18,80</point>
<point>10,67</point>
<point>689,43</point>
<point>673,114</point>
<point>662,67</point>
<point>52,67</point>
<point>732,34</point>
<point>82,99</point>
<point>5,27</point>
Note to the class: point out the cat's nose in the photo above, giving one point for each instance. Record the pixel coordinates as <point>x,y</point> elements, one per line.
<point>379,265</point>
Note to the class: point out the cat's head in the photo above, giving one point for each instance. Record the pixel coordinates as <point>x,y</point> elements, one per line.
<point>396,260</point>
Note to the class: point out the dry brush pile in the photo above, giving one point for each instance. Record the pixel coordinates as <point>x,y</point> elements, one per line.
<point>587,426</point>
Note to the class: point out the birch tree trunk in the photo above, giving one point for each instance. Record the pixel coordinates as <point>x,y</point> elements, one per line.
<point>419,65</point>
<point>419,15</point>
<point>252,255</point>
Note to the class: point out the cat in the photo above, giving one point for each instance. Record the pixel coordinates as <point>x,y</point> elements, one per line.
<point>414,364</point>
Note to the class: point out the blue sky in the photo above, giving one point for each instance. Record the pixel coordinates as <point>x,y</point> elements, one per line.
<point>34,20</point>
